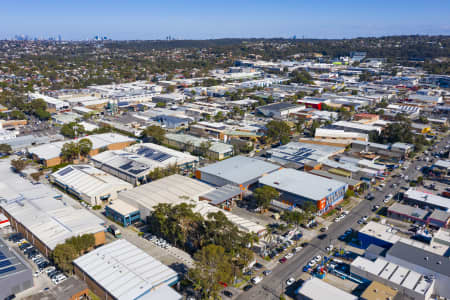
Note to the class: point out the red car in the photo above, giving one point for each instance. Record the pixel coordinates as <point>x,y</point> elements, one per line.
<point>283,260</point>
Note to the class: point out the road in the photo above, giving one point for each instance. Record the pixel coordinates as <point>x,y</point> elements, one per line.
<point>273,285</point>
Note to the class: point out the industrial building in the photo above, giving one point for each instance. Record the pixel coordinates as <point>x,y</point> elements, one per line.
<point>43,219</point>
<point>298,188</point>
<point>426,199</point>
<point>177,189</point>
<point>336,134</point>
<point>186,142</point>
<point>378,291</point>
<point>135,162</point>
<point>405,281</point>
<point>423,262</point>
<point>224,196</point>
<point>298,154</point>
<point>385,236</point>
<point>122,212</point>
<point>316,289</point>
<point>122,271</point>
<point>50,154</point>
<point>15,273</point>
<point>240,171</point>
<point>355,127</point>
<point>279,110</point>
<point>89,184</point>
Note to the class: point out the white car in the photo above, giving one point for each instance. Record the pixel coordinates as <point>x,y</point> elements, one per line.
<point>289,255</point>
<point>311,264</point>
<point>330,248</point>
<point>290,281</point>
<point>317,258</point>
<point>36,274</point>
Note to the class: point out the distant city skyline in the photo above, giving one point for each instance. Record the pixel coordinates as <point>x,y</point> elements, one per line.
<point>201,19</point>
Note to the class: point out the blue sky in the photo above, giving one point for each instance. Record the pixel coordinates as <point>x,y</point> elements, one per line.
<point>201,19</point>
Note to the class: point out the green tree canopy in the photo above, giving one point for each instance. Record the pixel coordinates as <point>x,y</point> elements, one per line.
<point>18,165</point>
<point>85,147</point>
<point>264,195</point>
<point>63,255</point>
<point>72,129</point>
<point>5,148</point>
<point>154,133</point>
<point>278,131</point>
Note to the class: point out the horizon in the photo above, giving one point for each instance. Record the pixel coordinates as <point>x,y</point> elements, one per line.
<point>202,20</point>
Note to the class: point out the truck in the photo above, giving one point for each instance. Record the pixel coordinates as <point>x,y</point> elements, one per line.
<point>114,231</point>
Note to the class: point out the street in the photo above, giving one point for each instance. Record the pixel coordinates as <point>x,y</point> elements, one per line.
<point>273,285</point>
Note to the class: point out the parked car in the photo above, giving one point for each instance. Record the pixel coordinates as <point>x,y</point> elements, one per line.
<point>267,272</point>
<point>290,281</point>
<point>247,287</point>
<point>227,294</point>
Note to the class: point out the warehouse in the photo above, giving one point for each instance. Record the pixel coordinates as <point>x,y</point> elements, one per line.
<point>89,184</point>
<point>15,273</point>
<point>316,289</point>
<point>408,213</point>
<point>426,200</point>
<point>122,212</point>
<point>423,262</point>
<point>135,162</point>
<point>172,189</point>
<point>177,189</point>
<point>240,171</point>
<point>34,211</point>
<point>298,188</point>
<point>122,271</point>
<point>403,280</point>
<point>279,110</point>
<point>301,153</point>
<point>49,154</point>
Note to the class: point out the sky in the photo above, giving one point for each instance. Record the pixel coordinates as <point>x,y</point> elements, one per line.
<point>203,19</point>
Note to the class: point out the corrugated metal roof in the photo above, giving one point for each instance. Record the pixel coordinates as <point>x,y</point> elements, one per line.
<point>125,271</point>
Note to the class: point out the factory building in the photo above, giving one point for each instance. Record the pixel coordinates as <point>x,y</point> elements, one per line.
<point>15,273</point>
<point>120,270</point>
<point>89,184</point>
<point>298,188</point>
<point>240,171</point>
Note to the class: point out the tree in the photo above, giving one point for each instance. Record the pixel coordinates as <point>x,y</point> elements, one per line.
<point>278,131</point>
<point>5,148</point>
<point>264,195</point>
<point>72,130</point>
<point>63,255</point>
<point>70,151</point>
<point>18,165</point>
<point>154,133</point>
<point>294,217</point>
<point>85,147</point>
<point>212,267</point>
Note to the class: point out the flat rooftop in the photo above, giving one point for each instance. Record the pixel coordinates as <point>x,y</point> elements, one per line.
<point>427,198</point>
<point>125,271</point>
<point>301,183</point>
<point>35,207</point>
<point>240,169</point>
<point>317,289</point>
<point>393,273</point>
<point>389,234</point>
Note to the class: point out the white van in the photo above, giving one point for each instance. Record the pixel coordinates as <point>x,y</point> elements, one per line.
<point>256,280</point>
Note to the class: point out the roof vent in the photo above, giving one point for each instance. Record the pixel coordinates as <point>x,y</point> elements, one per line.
<point>439,262</point>
<point>426,257</point>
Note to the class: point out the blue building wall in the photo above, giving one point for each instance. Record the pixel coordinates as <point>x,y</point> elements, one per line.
<point>124,220</point>
<point>367,240</point>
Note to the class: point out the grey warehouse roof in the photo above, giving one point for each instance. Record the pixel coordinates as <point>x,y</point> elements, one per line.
<point>222,194</point>
<point>417,256</point>
<point>126,271</point>
<point>301,183</point>
<point>240,169</point>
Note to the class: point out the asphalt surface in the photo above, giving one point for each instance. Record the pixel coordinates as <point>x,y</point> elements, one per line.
<point>274,285</point>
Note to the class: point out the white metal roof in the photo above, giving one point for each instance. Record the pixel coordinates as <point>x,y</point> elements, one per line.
<point>240,169</point>
<point>50,220</point>
<point>85,179</point>
<point>316,289</point>
<point>301,183</point>
<point>126,271</point>
<point>426,197</point>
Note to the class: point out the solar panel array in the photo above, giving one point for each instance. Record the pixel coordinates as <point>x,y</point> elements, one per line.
<point>133,167</point>
<point>5,264</point>
<point>153,154</point>
<point>300,154</point>
<point>65,171</point>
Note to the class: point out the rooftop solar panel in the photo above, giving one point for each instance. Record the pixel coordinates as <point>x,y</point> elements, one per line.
<point>126,166</point>
<point>65,171</point>
<point>5,263</point>
<point>3,271</point>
